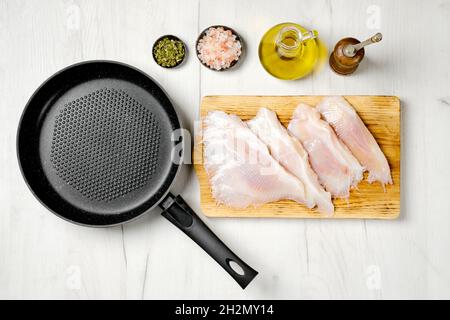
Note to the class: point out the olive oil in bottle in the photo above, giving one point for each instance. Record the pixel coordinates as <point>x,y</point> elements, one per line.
<point>288,51</point>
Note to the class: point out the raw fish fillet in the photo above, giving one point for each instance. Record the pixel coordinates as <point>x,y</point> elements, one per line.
<point>337,169</point>
<point>289,152</point>
<point>351,129</point>
<point>241,170</point>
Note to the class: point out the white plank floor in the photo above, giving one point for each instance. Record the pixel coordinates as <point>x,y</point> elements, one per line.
<point>42,256</point>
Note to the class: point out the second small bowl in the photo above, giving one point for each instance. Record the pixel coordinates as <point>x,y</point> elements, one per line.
<point>238,38</point>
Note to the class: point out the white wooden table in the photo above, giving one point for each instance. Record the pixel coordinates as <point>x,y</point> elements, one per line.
<point>42,256</point>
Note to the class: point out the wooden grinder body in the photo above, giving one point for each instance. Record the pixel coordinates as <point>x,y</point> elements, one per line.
<point>342,64</point>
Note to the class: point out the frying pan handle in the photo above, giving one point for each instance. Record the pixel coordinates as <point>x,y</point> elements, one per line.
<point>177,211</point>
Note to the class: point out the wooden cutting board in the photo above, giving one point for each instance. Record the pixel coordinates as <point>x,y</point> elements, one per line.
<point>381,114</point>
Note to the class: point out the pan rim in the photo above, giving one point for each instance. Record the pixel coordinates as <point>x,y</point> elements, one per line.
<point>173,172</point>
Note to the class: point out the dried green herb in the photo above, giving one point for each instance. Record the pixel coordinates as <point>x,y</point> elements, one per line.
<point>168,52</point>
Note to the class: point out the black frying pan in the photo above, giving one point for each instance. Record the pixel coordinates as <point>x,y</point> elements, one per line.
<point>95,146</point>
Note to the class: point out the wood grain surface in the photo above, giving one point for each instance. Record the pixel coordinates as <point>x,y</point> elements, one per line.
<point>381,114</point>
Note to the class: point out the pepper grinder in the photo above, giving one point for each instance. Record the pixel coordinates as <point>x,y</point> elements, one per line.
<point>348,53</point>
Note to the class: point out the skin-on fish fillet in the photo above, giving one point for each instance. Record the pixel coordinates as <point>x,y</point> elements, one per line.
<point>351,129</point>
<point>289,152</point>
<point>241,170</point>
<point>337,169</point>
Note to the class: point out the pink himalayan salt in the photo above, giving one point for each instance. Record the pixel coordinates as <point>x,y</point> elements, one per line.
<point>219,48</point>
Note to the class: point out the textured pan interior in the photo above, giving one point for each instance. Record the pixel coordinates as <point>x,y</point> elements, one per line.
<point>94,143</point>
<point>105,144</point>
